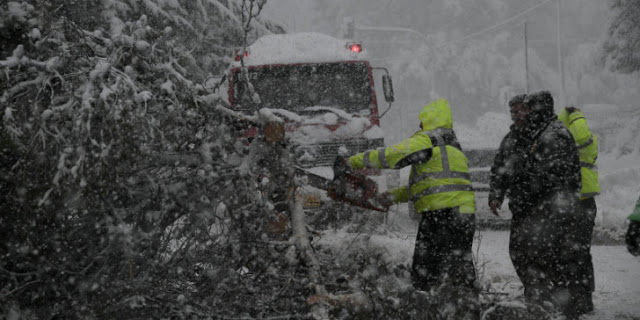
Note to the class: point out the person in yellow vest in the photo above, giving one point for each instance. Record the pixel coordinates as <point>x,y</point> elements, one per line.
<point>582,272</point>
<point>440,190</point>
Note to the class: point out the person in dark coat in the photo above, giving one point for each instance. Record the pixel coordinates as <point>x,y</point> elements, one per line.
<point>504,174</point>
<point>543,189</point>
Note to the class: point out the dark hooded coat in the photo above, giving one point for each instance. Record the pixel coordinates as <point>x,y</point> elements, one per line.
<point>548,187</point>
<point>550,173</point>
<point>506,177</point>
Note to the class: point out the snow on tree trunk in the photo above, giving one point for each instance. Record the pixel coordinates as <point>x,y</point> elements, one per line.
<point>301,239</point>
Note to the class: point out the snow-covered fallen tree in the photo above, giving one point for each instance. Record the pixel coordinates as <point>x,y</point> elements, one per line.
<point>118,167</point>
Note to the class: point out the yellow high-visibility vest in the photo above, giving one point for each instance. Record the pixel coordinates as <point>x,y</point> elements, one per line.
<point>439,175</point>
<point>587,144</point>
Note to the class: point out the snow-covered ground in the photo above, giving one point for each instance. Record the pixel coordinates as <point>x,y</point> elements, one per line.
<point>617,273</point>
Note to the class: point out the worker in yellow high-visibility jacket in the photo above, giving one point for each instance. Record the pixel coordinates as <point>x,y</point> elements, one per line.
<point>440,189</point>
<point>587,144</point>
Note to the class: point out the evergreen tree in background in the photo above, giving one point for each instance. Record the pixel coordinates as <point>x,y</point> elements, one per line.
<point>622,48</point>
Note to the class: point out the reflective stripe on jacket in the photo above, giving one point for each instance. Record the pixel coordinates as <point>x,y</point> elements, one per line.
<point>587,144</point>
<point>439,170</point>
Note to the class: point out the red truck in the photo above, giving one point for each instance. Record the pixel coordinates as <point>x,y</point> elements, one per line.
<point>322,86</point>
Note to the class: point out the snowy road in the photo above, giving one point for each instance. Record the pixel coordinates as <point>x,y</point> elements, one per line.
<point>617,273</point>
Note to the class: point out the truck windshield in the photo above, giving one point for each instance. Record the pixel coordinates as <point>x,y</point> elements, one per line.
<point>344,86</point>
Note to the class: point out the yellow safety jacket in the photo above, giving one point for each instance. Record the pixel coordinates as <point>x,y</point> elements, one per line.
<point>439,175</point>
<point>587,144</point>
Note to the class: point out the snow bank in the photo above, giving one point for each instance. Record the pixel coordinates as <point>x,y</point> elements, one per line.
<point>620,188</point>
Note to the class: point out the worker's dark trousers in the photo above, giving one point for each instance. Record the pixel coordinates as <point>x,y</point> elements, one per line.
<point>578,274</point>
<point>534,247</point>
<point>443,250</point>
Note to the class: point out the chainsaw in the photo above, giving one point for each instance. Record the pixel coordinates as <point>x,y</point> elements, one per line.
<point>348,186</point>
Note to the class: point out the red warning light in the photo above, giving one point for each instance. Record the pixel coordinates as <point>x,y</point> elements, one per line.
<point>239,52</point>
<point>355,47</point>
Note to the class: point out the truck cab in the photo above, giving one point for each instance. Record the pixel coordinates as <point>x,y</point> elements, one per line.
<point>322,86</point>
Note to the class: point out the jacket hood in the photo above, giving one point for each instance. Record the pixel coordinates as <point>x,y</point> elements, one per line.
<point>436,114</point>
<point>540,105</point>
<point>565,115</point>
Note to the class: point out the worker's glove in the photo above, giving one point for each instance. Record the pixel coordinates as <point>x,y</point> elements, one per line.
<point>341,162</point>
<point>495,205</point>
<point>633,238</point>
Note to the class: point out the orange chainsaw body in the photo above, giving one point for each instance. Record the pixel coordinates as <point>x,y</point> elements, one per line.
<point>356,189</point>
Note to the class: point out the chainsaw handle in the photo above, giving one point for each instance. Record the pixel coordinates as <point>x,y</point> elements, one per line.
<point>353,188</point>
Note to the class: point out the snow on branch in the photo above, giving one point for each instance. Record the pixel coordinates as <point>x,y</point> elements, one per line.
<point>156,9</point>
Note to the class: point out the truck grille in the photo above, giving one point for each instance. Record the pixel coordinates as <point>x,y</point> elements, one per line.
<point>324,154</point>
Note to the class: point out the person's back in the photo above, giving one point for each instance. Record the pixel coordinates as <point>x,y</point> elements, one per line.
<point>553,167</point>
<point>441,192</point>
<point>448,171</point>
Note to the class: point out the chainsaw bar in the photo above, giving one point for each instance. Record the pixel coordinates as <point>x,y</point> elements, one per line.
<point>314,180</point>
<point>347,186</point>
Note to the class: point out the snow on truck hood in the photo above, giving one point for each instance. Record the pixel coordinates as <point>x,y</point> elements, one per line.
<point>313,129</point>
<point>299,48</point>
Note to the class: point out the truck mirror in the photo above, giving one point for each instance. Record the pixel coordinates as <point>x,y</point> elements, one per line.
<point>387,87</point>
